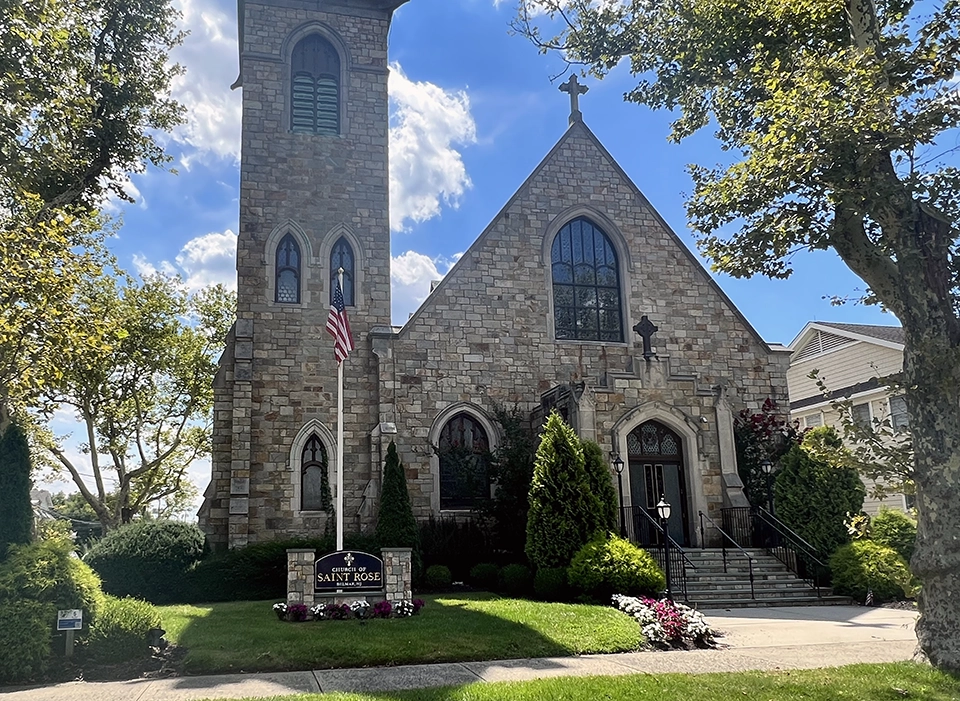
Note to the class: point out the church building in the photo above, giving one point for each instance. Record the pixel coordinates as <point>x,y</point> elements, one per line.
<point>576,297</point>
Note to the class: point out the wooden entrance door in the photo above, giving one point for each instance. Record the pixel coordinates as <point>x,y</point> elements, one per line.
<point>656,471</point>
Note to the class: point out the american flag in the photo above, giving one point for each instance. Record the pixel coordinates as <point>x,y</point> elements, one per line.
<point>339,327</point>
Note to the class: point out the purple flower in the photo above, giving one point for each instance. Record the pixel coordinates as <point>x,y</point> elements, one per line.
<point>382,609</point>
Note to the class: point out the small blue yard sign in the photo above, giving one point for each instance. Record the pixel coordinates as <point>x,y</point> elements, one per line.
<point>70,619</point>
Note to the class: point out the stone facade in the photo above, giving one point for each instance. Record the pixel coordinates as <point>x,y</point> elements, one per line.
<point>485,335</point>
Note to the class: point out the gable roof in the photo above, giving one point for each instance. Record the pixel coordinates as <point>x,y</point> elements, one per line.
<point>575,126</point>
<point>819,337</point>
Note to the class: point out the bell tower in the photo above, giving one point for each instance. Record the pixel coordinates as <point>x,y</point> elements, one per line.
<point>313,199</point>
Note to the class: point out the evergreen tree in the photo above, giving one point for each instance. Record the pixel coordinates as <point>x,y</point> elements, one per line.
<point>814,494</point>
<point>564,512</point>
<point>16,513</point>
<point>511,470</point>
<point>396,526</point>
<point>601,484</point>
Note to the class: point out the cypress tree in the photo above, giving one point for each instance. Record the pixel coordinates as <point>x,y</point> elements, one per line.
<point>396,526</point>
<point>601,484</point>
<point>564,512</point>
<point>16,513</point>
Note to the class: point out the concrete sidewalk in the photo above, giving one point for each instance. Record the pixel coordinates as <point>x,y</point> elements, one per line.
<point>754,639</point>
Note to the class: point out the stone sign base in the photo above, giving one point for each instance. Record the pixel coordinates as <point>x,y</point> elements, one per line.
<point>397,579</point>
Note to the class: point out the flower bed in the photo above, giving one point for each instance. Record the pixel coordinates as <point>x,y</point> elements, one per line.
<point>666,623</point>
<point>360,610</point>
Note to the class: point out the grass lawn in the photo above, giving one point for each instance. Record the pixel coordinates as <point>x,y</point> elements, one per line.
<point>881,682</point>
<point>247,636</point>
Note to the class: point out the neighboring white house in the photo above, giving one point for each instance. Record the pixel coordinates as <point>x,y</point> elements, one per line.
<point>851,359</point>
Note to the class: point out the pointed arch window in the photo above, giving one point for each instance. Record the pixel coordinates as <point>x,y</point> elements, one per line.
<point>287,282</point>
<point>342,257</point>
<point>314,477</point>
<point>586,284</point>
<point>315,89</point>
<point>464,453</point>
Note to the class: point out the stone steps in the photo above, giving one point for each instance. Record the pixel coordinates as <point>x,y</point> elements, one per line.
<point>709,586</point>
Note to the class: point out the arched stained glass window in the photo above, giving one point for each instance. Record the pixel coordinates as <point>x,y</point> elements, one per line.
<point>314,477</point>
<point>342,257</point>
<point>586,284</point>
<point>315,89</point>
<point>464,453</point>
<point>288,271</point>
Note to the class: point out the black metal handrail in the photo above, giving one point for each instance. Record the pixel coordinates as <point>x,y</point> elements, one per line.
<point>723,547</point>
<point>644,530</point>
<point>789,547</point>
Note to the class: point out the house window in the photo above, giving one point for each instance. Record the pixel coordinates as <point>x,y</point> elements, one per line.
<point>288,271</point>
<point>464,453</point>
<point>315,89</point>
<point>586,284</point>
<point>342,257</point>
<point>898,413</point>
<point>813,420</point>
<point>314,477</point>
<point>861,415</point>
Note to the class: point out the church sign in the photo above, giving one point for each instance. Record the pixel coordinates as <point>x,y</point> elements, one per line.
<point>347,570</point>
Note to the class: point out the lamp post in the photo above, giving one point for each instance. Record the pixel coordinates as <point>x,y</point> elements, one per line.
<point>663,510</point>
<point>767,468</point>
<point>618,468</point>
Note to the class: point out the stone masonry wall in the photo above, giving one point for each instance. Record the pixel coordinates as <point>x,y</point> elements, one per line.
<point>484,336</point>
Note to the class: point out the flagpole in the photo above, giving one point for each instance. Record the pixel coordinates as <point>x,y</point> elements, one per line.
<point>340,440</point>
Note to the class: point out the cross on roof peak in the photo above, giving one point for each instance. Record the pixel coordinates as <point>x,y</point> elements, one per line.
<point>575,90</point>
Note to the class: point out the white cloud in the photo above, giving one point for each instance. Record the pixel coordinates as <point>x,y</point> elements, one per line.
<point>425,168</point>
<point>209,54</point>
<point>410,276</point>
<point>203,261</point>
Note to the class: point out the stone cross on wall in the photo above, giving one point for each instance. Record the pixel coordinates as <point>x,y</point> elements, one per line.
<point>646,329</point>
<point>575,90</point>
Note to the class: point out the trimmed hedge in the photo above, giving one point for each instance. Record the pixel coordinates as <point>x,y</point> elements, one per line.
<point>396,526</point>
<point>550,584</point>
<point>146,559</point>
<point>864,566</point>
<point>438,577</point>
<point>612,565</point>
<point>485,576</point>
<point>516,580</point>
<point>895,530</point>
<point>120,632</point>
<point>35,581</point>
<point>601,484</point>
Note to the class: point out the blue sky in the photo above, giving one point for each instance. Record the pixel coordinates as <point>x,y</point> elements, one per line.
<point>473,110</point>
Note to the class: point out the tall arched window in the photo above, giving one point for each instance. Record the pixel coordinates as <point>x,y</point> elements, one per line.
<point>586,284</point>
<point>464,453</point>
<point>314,477</point>
<point>315,89</point>
<point>342,257</point>
<point>288,271</point>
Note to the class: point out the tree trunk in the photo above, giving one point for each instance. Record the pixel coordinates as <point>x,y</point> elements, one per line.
<point>930,368</point>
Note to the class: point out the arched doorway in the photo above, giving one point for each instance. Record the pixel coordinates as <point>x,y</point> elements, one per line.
<point>656,470</point>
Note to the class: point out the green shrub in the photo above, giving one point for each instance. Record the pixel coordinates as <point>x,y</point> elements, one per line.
<point>145,559</point>
<point>516,580</point>
<point>36,581</point>
<point>485,576</point>
<point>550,584</point>
<point>864,566</point>
<point>813,496</point>
<point>16,512</point>
<point>607,566</point>
<point>564,512</point>
<point>254,572</point>
<point>438,577</point>
<point>25,628</point>
<point>601,484</point>
<point>396,526</point>
<point>457,544</point>
<point>49,572</point>
<point>511,469</point>
<point>895,530</point>
<point>120,632</point>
